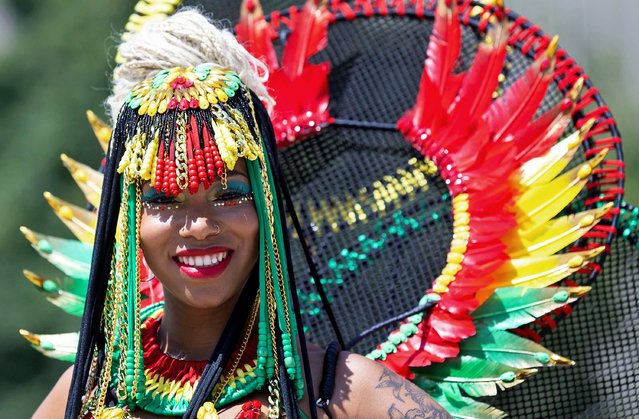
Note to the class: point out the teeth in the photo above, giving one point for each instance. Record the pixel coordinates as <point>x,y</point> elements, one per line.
<point>202,261</point>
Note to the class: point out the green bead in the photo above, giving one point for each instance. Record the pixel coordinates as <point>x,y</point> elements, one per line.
<point>291,373</point>
<point>560,297</point>
<point>542,357</point>
<point>397,338</point>
<point>289,362</point>
<point>50,286</point>
<point>507,377</point>
<point>262,352</point>
<point>408,329</point>
<point>388,347</point>
<point>45,246</point>
<point>129,381</point>
<point>135,102</point>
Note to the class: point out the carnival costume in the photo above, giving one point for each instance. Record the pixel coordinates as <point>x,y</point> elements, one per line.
<point>498,147</point>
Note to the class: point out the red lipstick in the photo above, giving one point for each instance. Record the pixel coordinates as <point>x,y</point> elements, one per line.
<point>200,272</point>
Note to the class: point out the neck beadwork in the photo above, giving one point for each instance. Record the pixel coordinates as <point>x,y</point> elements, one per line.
<point>170,382</point>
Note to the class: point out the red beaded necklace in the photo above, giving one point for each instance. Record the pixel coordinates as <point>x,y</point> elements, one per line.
<point>183,375</point>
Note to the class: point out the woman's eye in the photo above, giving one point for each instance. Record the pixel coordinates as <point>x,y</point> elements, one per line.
<point>228,195</point>
<point>158,201</point>
<point>236,193</point>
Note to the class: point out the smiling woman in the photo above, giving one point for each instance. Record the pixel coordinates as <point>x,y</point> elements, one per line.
<point>189,199</point>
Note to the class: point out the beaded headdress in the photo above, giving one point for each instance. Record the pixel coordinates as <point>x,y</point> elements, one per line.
<point>183,128</point>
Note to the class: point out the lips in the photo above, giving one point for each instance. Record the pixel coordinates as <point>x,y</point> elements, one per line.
<point>203,263</point>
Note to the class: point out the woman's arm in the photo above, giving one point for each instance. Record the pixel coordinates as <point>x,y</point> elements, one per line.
<point>365,389</point>
<point>55,403</point>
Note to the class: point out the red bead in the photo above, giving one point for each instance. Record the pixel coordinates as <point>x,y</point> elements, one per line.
<point>184,104</point>
<point>566,104</point>
<point>173,103</point>
<point>194,103</point>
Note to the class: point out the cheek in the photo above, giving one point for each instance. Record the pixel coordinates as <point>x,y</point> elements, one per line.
<point>153,232</point>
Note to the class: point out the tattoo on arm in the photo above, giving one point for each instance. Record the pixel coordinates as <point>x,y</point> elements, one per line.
<point>422,406</point>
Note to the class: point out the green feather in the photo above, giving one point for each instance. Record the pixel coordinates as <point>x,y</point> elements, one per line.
<point>67,293</point>
<point>508,308</point>
<point>70,256</point>
<point>59,346</point>
<point>70,303</point>
<point>509,349</point>
<point>477,377</point>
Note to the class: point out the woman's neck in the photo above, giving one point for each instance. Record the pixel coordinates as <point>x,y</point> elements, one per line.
<point>191,333</point>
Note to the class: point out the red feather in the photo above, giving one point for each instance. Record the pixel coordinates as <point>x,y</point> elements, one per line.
<point>517,106</point>
<point>476,92</point>
<point>537,138</point>
<point>309,35</point>
<point>453,328</point>
<point>443,48</point>
<point>255,33</point>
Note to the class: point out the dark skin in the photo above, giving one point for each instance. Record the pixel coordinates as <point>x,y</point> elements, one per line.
<point>198,308</point>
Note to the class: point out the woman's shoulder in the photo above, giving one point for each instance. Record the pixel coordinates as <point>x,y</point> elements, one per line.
<point>364,388</point>
<point>54,405</point>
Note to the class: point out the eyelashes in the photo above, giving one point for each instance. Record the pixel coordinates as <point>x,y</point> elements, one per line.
<point>236,194</point>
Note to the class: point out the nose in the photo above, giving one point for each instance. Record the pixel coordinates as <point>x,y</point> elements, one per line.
<point>200,228</point>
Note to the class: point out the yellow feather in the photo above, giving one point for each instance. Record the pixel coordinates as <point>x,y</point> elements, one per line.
<point>101,130</point>
<point>539,272</point>
<point>548,238</point>
<point>80,221</point>
<point>540,203</point>
<point>88,179</point>
<point>545,168</point>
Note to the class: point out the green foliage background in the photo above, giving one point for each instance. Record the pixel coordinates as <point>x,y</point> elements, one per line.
<point>58,67</point>
<point>56,70</point>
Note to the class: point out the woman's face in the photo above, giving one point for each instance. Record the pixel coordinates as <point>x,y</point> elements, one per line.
<point>202,247</point>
